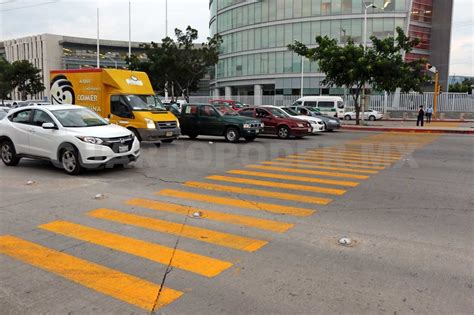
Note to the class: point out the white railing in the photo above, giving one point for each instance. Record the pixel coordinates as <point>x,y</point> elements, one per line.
<point>447,102</point>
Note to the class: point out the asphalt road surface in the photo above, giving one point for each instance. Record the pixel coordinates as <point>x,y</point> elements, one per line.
<point>208,227</point>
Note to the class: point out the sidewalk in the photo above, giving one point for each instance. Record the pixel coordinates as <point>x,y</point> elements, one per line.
<point>410,126</point>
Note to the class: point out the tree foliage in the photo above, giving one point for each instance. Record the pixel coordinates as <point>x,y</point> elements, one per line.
<point>26,78</point>
<point>6,85</point>
<point>380,65</point>
<point>462,87</point>
<point>179,63</point>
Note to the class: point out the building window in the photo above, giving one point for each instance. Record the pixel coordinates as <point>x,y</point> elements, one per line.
<point>316,7</point>
<point>325,7</point>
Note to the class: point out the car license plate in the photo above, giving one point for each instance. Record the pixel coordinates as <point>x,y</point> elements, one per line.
<point>169,134</point>
<point>123,148</point>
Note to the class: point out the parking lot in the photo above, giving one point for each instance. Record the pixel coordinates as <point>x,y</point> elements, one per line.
<point>247,228</point>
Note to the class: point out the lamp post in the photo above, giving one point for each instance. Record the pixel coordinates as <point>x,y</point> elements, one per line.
<point>366,8</point>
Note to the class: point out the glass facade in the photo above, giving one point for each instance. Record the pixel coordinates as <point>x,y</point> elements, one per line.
<point>256,33</point>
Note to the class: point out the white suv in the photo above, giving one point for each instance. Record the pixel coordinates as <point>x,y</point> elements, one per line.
<point>72,137</point>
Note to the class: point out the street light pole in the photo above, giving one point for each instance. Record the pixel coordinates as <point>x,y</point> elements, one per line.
<point>129,30</point>
<point>302,75</point>
<point>364,44</point>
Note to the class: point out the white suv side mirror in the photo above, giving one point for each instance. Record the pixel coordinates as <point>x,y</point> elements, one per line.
<point>49,126</point>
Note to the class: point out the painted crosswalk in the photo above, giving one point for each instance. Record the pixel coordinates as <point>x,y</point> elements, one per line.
<point>290,186</point>
<point>199,264</point>
<point>114,283</point>
<point>180,229</point>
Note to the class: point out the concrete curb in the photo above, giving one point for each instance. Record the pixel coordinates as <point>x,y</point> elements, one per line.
<point>412,130</point>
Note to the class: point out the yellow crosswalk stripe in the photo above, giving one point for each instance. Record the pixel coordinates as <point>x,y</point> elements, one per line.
<point>205,266</point>
<point>259,193</point>
<point>307,172</point>
<point>367,151</point>
<point>253,205</point>
<point>114,283</point>
<point>345,156</point>
<point>196,233</point>
<point>322,167</point>
<point>263,224</point>
<point>295,178</point>
<point>355,165</point>
<point>365,155</point>
<point>341,159</point>
<point>316,189</point>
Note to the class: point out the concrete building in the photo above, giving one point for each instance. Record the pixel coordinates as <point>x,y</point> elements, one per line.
<point>255,59</point>
<point>48,52</point>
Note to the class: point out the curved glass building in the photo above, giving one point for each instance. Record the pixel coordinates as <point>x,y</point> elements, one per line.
<point>254,59</point>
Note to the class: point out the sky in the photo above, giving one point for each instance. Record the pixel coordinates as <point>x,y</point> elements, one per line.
<point>20,18</point>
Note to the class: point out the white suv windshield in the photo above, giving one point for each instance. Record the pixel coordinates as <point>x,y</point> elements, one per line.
<point>77,118</point>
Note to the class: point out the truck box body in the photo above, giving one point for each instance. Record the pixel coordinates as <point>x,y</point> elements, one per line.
<point>123,96</point>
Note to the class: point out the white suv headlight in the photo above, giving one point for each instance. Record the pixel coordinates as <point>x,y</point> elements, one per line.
<point>91,140</point>
<point>150,124</point>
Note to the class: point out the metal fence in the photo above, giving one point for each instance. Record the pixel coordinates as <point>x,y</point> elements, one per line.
<point>447,102</point>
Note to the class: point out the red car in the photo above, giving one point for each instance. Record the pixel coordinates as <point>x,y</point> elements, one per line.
<point>278,121</point>
<point>235,105</point>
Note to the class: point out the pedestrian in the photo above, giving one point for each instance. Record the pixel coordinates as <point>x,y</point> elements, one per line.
<point>421,116</point>
<point>429,113</point>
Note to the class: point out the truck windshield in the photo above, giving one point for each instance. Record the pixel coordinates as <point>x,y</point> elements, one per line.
<point>144,102</point>
<point>225,110</point>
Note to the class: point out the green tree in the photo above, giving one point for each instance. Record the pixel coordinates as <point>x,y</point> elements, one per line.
<point>381,65</point>
<point>26,78</point>
<point>462,87</point>
<point>6,85</point>
<point>179,63</point>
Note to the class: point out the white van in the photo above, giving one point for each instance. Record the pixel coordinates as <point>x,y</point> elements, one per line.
<point>329,105</point>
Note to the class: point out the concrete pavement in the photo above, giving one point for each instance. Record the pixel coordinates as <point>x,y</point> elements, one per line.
<point>405,199</point>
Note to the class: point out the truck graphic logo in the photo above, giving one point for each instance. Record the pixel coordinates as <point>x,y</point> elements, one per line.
<point>134,81</point>
<point>62,91</point>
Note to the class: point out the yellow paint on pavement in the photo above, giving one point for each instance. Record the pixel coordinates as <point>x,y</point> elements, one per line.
<point>295,178</point>
<point>366,151</point>
<point>332,168</point>
<point>205,266</point>
<point>346,156</point>
<point>242,220</point>
<point>114,283</point>
<point>353,165</point>
<point>316,189</point>
<point>341,159</point>
<point>307,172</point>
<point>196,233</point>
<point>260,193</point>
<point>365,155</point>
<point>253,205</point>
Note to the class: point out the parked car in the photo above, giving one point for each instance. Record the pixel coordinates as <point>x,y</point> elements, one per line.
<point>316,123</point>
<point>368,114</point>
<point>330,105</point>
<point>3,113</point>
<point>276,121</point>
<point>173,107</point>
<point>70,136</point>
<point>218,120</point>
<point>234,104</point>
<point>331,123</point>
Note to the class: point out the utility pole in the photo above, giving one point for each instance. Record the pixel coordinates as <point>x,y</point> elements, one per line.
<point>302,75</point>
<point>98,41</point>
<point>129,29</point>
